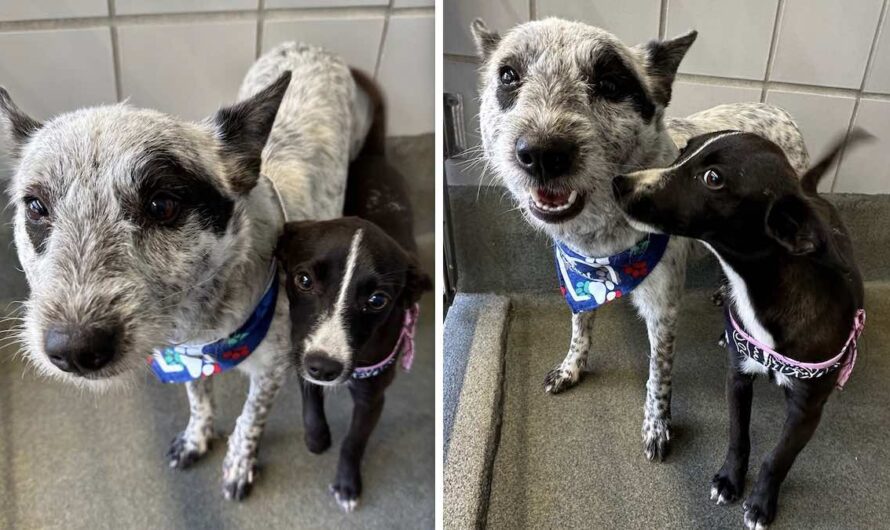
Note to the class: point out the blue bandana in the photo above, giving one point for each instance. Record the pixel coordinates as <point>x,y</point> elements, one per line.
<point>588,283</point>
<point>188,362</point>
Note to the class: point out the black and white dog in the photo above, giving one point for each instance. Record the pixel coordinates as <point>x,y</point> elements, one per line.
<point>565,107</point>
<point>796,298</point>
<point>353,285</point>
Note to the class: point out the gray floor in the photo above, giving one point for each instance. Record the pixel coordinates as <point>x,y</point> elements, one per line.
<point>73,460</point>
<point>575,460</point>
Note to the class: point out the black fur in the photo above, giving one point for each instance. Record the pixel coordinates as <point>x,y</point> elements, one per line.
<point>613,80</point>
<point>794,256</point>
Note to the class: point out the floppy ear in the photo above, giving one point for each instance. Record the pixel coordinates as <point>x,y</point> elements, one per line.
<point>244,128</point>
<point>289,236</point>
<point>662,60</point>
<point>16,127</point>
<point>791,222</point>
<point>486,40</point>
<point>416,283</point>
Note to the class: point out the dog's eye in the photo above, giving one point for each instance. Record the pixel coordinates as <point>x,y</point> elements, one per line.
<point>712,179</point>
<point>35,208</point>
<point>163,207</point>
<point>377,301</point>
<point>605,88</point>
<point>304,281</point>
<point>508,76</point>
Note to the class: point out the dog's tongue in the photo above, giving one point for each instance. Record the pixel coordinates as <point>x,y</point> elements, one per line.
<point>552,198</point>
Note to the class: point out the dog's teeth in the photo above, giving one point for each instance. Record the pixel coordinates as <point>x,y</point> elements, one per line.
<point>572,197</point>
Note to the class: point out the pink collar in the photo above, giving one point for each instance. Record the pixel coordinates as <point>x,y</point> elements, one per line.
<point>404,344</point>
<point>748,346</point>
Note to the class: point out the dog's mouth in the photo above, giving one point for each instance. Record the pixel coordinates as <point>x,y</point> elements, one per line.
<point>555,206</point>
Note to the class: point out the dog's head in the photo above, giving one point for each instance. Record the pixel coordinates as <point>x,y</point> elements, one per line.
<point>566,106</point>
<point>736,191</point>
<point>127,223</point>
<point>348,284</point>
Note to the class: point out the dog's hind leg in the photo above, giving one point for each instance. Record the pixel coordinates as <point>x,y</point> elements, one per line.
<point>317,433</point>
<point>239,466</point>
<point>658,300</point>
<point>803,403</point>
<point>192,443</point>
<point>568,372</point>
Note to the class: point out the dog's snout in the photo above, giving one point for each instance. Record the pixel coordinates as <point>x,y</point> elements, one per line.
<point>80,350</point>
<point>546,159</point>
<point>621,186</point>
<point>321,367</point>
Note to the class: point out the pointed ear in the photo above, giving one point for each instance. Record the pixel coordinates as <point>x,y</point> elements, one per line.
<point>243,130</point>
<point>417,283</point>
<point>810,180</point>
<point>791,222</point>
<point>662,60</point>
<point>486,40</point>
<point>16,127</point>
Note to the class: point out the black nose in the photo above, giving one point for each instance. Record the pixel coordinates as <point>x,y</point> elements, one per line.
<point>621,186</point>
<point>546,159</point>
<point>80,350</point>
<point>321,367</point>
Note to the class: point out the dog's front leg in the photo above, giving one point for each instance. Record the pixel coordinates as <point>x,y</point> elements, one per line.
<point>729,483</point>
<point>658,299</point>
<point>568,373</point>
<point>317,433</point>
<point>368,398</point>
<point>803,403</point>
<point>239,466</point>
<point>192,443</point>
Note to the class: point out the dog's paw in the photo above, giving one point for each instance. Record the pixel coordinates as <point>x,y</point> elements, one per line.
<point>238,477</point>
<point>759,514</point>
<point>346,496</point>
<point>560,379</point>
<point>318,443</point>
<point>724,490</point>
<point>185,451</point>
<point>656,439</point>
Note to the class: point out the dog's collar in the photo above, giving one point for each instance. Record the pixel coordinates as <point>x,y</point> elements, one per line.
<point>587,283</point>
<point>188,362</point>
<point>743,344</point>
<point>405,345</point>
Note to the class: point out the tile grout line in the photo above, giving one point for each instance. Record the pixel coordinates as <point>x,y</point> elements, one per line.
<point>869,63</point>
<point>773,45</point>
<point>260,19</point>
<point>662,20</point>
<point>383,34</point>
<point>115,52</point>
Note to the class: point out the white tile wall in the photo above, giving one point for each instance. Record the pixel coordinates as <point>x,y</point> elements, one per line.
<point>58,55</point>
<point>633,21</point>
<point>359,50</point>
<point>45,9</point>
<point>74,68</point>
<point>807,56</point>
<point>407,75</point>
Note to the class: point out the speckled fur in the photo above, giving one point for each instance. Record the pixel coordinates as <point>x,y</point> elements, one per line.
<point>613,138</point>
<point>191,284</point>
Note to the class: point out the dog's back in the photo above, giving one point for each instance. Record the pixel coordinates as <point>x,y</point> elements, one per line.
<point>321,124</point>
<point>376,191</point>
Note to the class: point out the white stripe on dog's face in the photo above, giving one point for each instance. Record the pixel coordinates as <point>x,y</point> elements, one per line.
<point>330,336</point>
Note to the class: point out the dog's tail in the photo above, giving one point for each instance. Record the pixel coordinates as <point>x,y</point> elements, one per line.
<point>375,141</point>
<point>810,180</point>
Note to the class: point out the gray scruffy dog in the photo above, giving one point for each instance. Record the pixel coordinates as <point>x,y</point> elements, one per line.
<point>137,230</point>
<point>564,108</point>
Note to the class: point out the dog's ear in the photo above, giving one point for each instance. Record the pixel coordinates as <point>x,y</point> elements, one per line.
<point>792,222</point>
<point>810,180</point>
<point>243,130</point>
<point>486,40</point>
<point>662,58</point>
<point>417,282</point>
<point>16,127</point>
<point>290,235</point>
